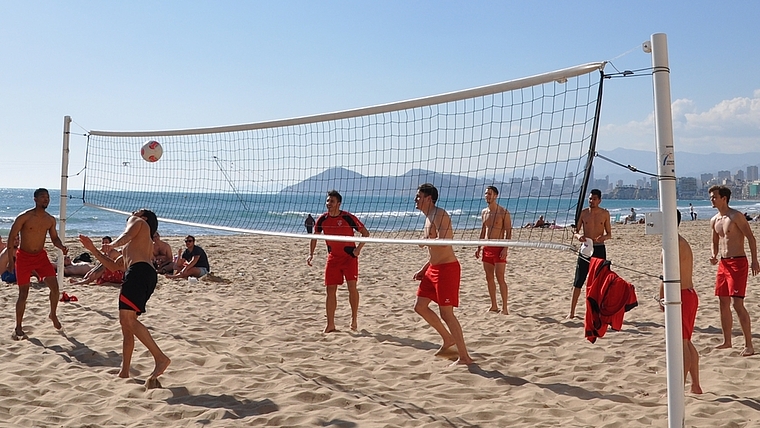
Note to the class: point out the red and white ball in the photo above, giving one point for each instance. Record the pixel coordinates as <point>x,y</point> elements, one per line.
<point>151,151</point>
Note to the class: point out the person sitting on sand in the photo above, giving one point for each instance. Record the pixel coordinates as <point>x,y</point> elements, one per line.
<point>631,218</point>
<point>163,256</point>
<point>192,262</point>
<point>100,274</point>
<point>7,275</point>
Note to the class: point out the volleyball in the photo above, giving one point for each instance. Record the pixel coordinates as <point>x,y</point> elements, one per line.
<point>151,151</point>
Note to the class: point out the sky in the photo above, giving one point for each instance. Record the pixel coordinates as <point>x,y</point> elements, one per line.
<point>156,65</point>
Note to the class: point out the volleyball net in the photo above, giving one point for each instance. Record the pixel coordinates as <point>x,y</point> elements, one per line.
<point>531,138</point>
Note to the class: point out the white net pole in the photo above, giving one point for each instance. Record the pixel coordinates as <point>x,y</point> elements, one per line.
<point>670,268</point>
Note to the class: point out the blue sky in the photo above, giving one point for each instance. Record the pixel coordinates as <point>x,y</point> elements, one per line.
<point>148,65</point>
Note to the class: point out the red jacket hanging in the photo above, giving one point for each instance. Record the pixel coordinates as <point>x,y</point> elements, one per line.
<point>608,298</point>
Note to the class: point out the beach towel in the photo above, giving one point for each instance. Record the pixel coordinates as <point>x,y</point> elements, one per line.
<point>608,298</point>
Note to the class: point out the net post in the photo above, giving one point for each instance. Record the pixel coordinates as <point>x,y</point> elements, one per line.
<point>670,258</point>
<point>64,192</point>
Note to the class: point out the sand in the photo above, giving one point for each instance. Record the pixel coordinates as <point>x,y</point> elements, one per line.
<point>248,349</point>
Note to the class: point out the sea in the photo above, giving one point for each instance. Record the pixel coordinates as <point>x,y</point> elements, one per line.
<point>287,215</point>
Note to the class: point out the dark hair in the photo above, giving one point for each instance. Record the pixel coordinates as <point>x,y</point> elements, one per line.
<point>190,237</point>
<point>334,193</point>
<point>495,190</point>
<point>723,191</point>
<point>597,193</point>
<point>428,189</point>
<point>678,216</point>
<point>108,238</point>
<point>40,191</point>
<point>152,220</point>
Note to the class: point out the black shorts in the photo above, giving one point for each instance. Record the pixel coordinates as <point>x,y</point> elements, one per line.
<point>139,283</point>
<point>582,265</point>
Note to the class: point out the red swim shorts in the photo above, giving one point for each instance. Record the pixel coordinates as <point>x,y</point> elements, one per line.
<point>732,277</point>
<point>689,304</point>
<point>338,268</point>
<point>28,262</point>
<point>441,284</point>
<point>492,255</point>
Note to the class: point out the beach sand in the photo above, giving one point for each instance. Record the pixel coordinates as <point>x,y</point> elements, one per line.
<point>248,349</point>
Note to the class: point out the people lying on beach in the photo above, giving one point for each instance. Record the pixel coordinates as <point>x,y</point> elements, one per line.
<point>193,261</point>
<point>497,225</point>
<point>440,278</point>
<point>32,227</point>
<point>538,224</point>
<point>729,229</point>
<point>139,283</point>
<point>99,274</point>
<point>71,268</point>
<point>342,257</point>
<point>689,304</point>
<point>163,256</point>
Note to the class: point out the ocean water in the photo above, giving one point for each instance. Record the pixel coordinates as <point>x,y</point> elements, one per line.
<point>286,213</point>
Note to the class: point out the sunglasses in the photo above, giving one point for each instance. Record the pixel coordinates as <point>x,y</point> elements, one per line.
<point>189,240</point>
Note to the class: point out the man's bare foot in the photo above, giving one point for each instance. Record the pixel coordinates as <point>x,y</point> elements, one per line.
<point>463,361</point>
<point>56,323</point>
<point>723,345</point>
<point>161,366</point>
<point>695,389</point>
<point>447,350</point>
<point>18,334</point>
<point>124,374</point>
<point>493,309</point>
<point>747,351</point>
<point>152,383</point>
<point>504,312</point>
<point>570,316</point>
<point>329,329</point>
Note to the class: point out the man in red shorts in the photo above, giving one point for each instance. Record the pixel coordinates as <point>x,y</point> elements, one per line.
<point>729,228</point>
<point>497,224</point>
<point>689,304</point>
<point>33,226</point>
<point>439,277</point>
<point>342,257</point>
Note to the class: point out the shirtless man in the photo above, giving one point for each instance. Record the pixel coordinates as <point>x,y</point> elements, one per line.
<point>342,257</point>
<point>163,257</point>
<point>689,304</point>
<point>139,282</point>
<point>729,228</point>
<point>33,225</point>
<point>497,224</point>
<point>439,277</point>
<point>594,224</point>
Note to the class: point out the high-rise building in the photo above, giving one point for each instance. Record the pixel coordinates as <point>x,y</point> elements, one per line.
<point>722,175</point>
<point>752,173</point>
<point>739,175</point>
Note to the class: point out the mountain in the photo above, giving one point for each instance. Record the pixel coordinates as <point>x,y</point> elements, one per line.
<point>347,181</point>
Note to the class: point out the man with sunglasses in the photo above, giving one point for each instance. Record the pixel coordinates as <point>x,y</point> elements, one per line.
<point>192,262</point>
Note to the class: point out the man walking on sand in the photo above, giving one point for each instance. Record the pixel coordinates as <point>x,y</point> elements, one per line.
<point>497,225</point>
<point>729,228</point>
<point>439,277</point>
<point>593,224</point>
<point>139,283</point>
<point>342,257</point>
<point>33,226</point>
